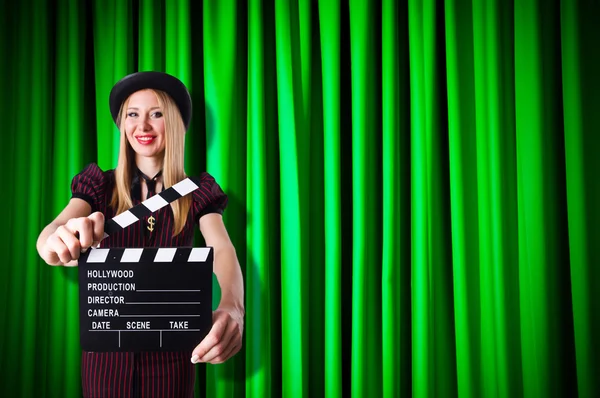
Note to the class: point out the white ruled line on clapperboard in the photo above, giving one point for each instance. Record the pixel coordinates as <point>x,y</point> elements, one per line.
<point>191,268</point>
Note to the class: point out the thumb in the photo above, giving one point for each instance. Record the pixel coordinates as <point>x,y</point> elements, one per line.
<point>97,219</point>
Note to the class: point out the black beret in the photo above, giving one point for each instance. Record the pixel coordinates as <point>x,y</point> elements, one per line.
<point>154,80</point>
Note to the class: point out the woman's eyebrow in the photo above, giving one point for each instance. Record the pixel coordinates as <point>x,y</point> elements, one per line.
<point>136,108</point>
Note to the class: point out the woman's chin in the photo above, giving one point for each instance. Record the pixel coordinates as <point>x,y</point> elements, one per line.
<point>149,152</point>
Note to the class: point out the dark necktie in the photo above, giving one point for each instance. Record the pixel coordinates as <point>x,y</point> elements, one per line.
<point>151,220</point>
<point>150,182</point>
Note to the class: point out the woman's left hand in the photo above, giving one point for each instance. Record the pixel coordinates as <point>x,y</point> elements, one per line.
<point>224,339</point>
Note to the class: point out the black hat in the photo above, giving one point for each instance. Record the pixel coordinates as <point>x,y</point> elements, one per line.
<point>154,80</point>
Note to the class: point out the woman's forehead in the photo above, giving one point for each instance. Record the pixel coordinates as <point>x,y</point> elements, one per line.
<point>143,98</point>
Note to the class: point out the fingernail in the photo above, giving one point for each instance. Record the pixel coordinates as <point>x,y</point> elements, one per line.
<point>84,250</point>
<point>195,359</point>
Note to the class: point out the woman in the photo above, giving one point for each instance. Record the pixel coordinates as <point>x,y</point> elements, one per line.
<point>152,111</point>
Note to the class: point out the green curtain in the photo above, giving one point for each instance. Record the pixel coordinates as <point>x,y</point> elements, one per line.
<point>411,184</point>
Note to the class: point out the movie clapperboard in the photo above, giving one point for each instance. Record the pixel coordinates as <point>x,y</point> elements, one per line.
<point>145,299</point>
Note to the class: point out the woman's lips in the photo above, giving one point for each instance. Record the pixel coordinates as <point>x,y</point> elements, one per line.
<point>145,139</point>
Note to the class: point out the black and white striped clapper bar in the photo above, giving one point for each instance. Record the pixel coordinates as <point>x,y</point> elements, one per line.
<point>149,206</point>
<point>145,299</point>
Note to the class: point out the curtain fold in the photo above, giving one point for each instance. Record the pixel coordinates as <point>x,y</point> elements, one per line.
<point>224,101</point>
<point>395,196</point>
<point>366,209</point>
<point>412,188</point>
<point>293,98</point>
<point>113,58</point>
<point>541,225</point>
<point>258,283</point>
<point>329,29</point>
<point>433,345</point>
<point>580,85</point>
<point>463,194</point>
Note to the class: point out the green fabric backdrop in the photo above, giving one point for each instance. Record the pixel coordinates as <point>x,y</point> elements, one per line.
<point>412,190</point>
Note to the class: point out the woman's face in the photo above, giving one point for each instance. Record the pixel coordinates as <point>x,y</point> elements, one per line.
<point>145,124</point>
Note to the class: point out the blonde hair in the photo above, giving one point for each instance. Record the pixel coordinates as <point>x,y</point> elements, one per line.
<point>173,170</point>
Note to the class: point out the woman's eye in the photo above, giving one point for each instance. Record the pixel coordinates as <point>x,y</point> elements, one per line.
<point>132,114</point>
<point>157,114</point>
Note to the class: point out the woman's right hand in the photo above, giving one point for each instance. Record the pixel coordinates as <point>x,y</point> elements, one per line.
<point>66,243</point>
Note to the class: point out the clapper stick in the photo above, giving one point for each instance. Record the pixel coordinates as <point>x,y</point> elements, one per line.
<point>149,206</point>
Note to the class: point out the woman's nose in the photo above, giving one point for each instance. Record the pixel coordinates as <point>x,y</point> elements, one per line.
<point>144,124</point>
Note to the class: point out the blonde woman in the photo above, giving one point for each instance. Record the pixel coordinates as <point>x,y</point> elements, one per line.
<point>152,111</point>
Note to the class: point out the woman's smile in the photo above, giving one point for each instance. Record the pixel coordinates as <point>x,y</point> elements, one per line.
<point>145,139</point>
